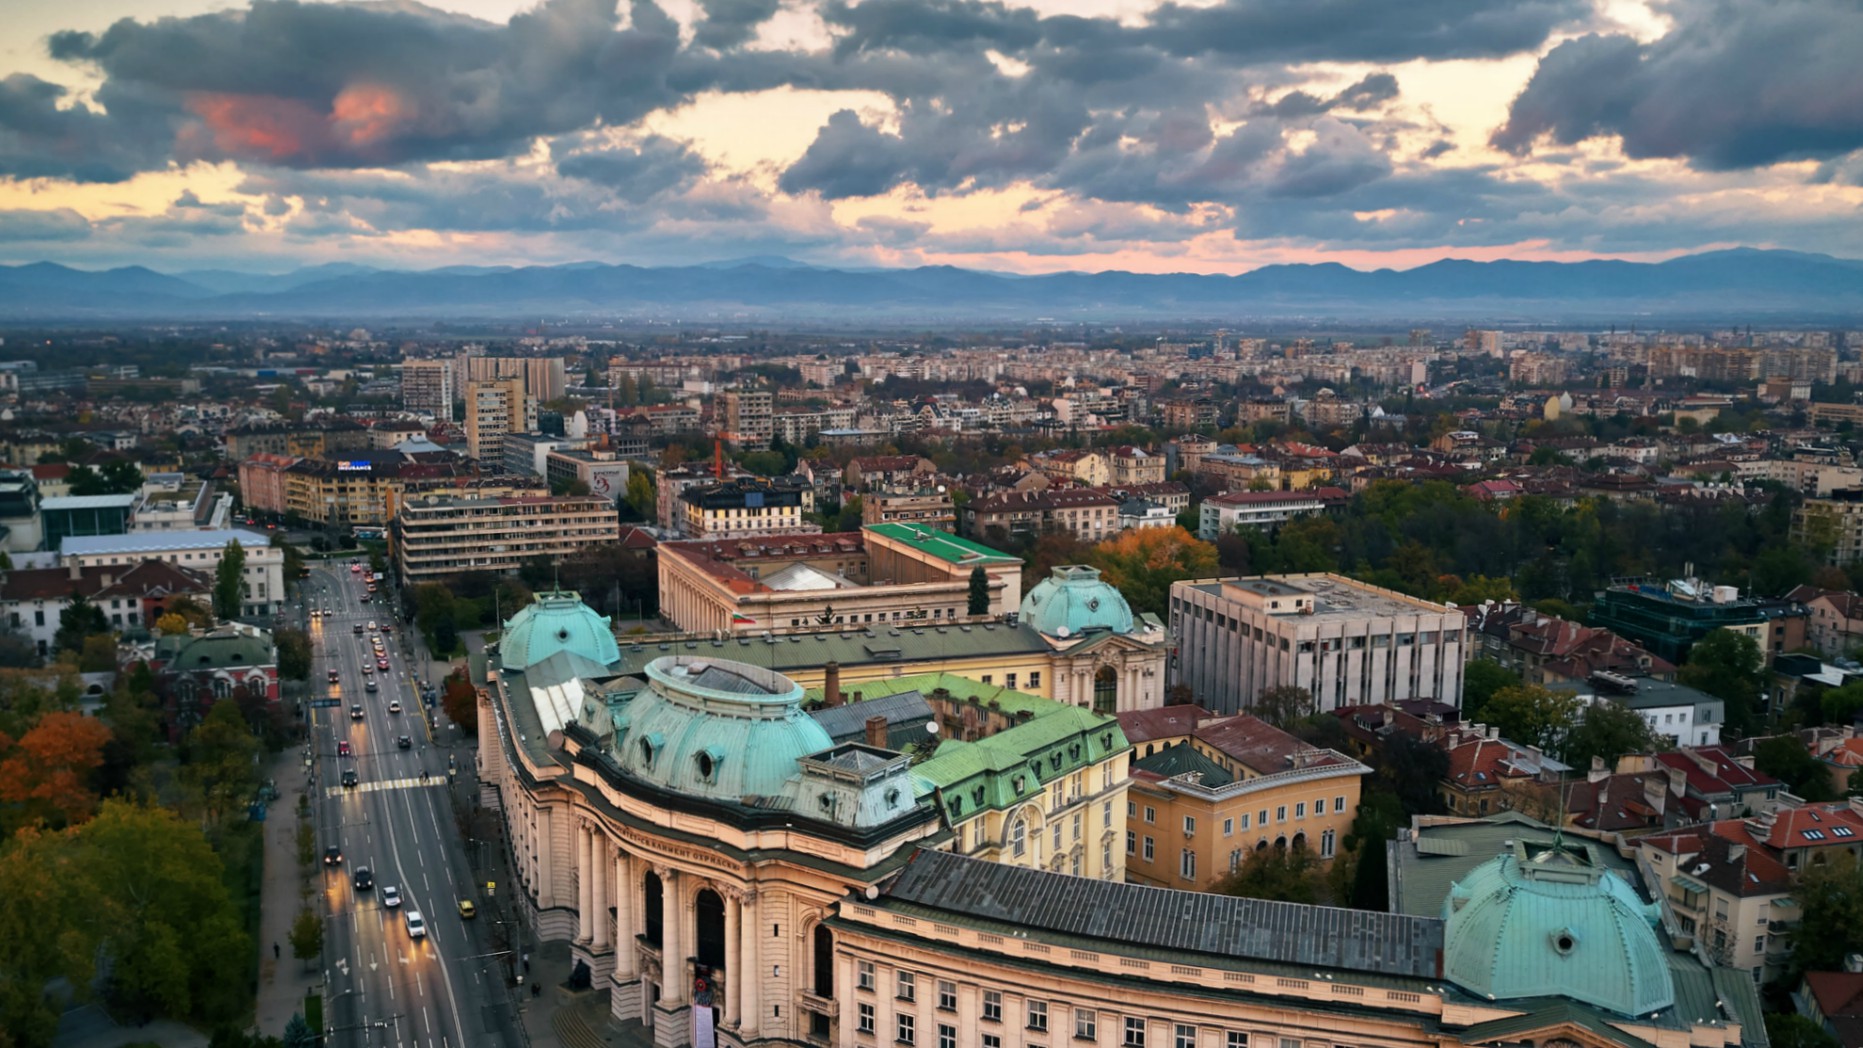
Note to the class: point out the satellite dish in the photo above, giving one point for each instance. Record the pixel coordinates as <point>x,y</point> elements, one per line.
<point>931,727</point>
<point>872,892</point>
<point>1062,631</point>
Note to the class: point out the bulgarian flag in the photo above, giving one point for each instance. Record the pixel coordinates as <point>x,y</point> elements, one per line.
<point>741,619</point>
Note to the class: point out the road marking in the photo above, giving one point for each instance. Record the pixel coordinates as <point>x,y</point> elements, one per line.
<point>409,782</point>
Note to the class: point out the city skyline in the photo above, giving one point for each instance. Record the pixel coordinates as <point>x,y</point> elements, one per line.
<point>1021,137</point>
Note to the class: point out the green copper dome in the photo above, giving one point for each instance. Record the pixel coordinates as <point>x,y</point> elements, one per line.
<point>1553,925</point>
<point>557,621</point>
<point>719,729</point>
<point>1072,601</point>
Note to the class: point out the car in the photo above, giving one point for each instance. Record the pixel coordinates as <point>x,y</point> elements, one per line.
<point>388,627</point>
<point>355,712</point>
<point>342,748</point>
<point>335,676</point>
<point>364,599</point>
<point>417,925</point>
<point>394,705</point>
<point>391,896</point>
<point>404,743</point>
<point>355,569</point>
<point>467,910</point>
<point>333,856</point>
<point>358,630</point>
<point>349,777</point>
<point>371,623</point>
<point>364,879</point>
<point>370,687</point>
<point>381,664</point>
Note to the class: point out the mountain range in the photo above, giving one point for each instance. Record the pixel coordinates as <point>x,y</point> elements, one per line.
<point>1738,284</point>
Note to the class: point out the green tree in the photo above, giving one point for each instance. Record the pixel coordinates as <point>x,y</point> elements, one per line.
<point>1380,816</point>
<point>640,500</point>
<point>979,603</point>
<point>1792,1030</point>
<point>1785,758</point>
<point>190,609</point>
<point>298,1034</point>
<point>445,638</point>
<point>1478,588</point>
<point>98,654</point>
<point>1480,680</point>
<point>1607,730</point>
<point>51,923</point>
<point>307,935</point>
<point>1531,715</point>
<point>1283,705</point>
<point>1412,771</point>
<point>294,654</point>
<point>294,557</point>
<point>1278,874</point>
<point>218,760</point>
<point>1729,666</point>
<point>1841,705</point>
<point>1830,902</point>
<point>229,582</point>
<point>79,620</point>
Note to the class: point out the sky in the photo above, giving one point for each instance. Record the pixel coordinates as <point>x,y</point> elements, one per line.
<point>1210,136</point>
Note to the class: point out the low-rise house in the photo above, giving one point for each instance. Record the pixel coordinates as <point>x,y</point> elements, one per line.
<point>195,670</point>
<point>1835,625</point>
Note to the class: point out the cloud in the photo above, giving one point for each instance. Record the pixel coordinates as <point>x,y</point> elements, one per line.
<point>1292,31</point>
<point>1733,84</point>
<point>54,224</point>
<point>639,172</point>
<point>730,23</point>
<point>1370,92</point>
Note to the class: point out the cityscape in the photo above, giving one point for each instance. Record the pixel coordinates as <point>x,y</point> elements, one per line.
<point>931,524</point>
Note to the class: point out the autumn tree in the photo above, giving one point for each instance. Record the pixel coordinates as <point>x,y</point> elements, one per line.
<point>1143,563</point>
<point>193,611</point>
<point>307,936</point>
<point>218,759</point>
<point>171,625</point>
<point>45,776</point>
<point>51,929</point>
<point>461,702</point>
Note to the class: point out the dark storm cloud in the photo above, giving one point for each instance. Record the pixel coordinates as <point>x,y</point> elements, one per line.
<point>39,139</point>
<point>1374,90</point>
<point>1292,31</point>
<point>635,173</point>
<point>1734,84</point>
<point>729,23</point>
<point>925,26</point>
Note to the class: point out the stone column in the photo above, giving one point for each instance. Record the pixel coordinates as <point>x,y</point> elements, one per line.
<point>624,917</point>
<point>735,974</point>
<point>585,897</point>
<point>750,958</point>
<point>546,869</point>
<point>674,975</point>
<point>599,867</point>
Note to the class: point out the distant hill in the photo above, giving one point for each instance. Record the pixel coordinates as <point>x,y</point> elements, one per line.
<point>1741,284</point>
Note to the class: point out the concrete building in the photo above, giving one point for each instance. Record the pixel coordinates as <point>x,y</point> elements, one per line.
<point>929,509</point>
<point>1228,788</point>
<point>197,551</point>
<point>745,418</point>
<point>1668,618</point>
<point>1127,465</point>
<point>603,473</point>
<point>1224,514</point>
<point>1088,514</point>
<point>178,502</point>
<point>63,517</point>
<point>1684,715</point>
<point>20,525</point>
<point>542,378</point>
<point>427,387</point>
<point>1346,643</point>
<point>437,536</point>
<point>493,409</point>
<point>32,600</point>
<point>685,827</point>
<point>670,484</point>
<point>524,454</point>
<point>747,507</point>
<point>884,573</point>
<point>1833,523</point>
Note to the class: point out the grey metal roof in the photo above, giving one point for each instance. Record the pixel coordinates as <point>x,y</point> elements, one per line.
<point>810,651</point>
<point>1195,922</point>
<point>844,723</point>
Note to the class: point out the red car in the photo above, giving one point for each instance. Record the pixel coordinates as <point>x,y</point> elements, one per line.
<point>381,664</point>
<point>342,749</point>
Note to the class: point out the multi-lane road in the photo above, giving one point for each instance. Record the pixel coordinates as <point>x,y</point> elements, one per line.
<point>385,986</point>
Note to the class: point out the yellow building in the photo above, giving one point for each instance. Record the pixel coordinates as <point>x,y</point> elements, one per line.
<point>494,408</point>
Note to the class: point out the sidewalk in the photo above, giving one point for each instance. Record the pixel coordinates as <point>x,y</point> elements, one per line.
<point>283,980</point>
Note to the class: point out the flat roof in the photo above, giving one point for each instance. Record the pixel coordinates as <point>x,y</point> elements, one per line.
<point>1332,594</point>
<point>160,541</point>
<point>88,502</point>
<point>942,544</point>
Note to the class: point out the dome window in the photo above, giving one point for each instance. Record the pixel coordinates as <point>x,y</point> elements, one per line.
<point>1564,941</point>
<point>649,748</point>
<point>708,760</point>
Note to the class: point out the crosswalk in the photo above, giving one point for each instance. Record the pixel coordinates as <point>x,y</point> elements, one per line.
<point>408,783</point>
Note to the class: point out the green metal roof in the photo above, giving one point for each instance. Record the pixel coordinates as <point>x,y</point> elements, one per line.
<point>1551,924</point>
<point>221,648</point>
<point>557,621</point>
<point>1073,601</point>
<point>943,545</point>
<point>1181,759</point>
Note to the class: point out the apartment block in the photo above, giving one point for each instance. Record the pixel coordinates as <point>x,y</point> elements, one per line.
<point>932,509</point>
<point>1222,514</point>
<point>746,418</point>
<point>427,387</point>
<point>543,377</point>
<point>443,535</point>
<point>1346,643</point>
<point>748,507</point>
<point>494,408</point>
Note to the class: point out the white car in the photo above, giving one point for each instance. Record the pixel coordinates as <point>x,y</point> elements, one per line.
<point>391,896</point>
<point>417,925</point>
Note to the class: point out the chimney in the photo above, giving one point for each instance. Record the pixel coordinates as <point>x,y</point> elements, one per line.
<point>75,571</point>
<point>876,732</point>
<point>831,684</point>
<point>1598,770</point>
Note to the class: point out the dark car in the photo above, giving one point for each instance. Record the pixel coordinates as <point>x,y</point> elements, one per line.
<point>334,677</point>
<point>364,879</point>
<point>355,712</point>
<point>404,743</point>
<point>349,776</point>
<point>333,856</point>
<point>369,687</point>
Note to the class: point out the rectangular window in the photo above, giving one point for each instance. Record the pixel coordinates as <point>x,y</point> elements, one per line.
<point>1056,838</point>
<point>1244,819</point>
<point>1319,805</point>
<point>906,986</point>
<point>1135,1032</point>
<point>1187,865</point>
<point>1151,814</point>
<point>908,1028</point>
<point>1186,1036</point>
<point>1261,819</point>
<point>1106,816</point>
<point>1339,804</point>
<point>1034,679</point>
<point>1131,842</point>
<point>1009,680</point>
<point>1229,827</point>
<point>1190,825</point>
<point>991,1040</point>
<point>1038,1016</point>
<point>1086,1024</point>
<point>993,1006</point>
<point>1236,1039</point>
<point>1149,850</point>
<point>863,975</point>
<point>947,996</point>
<point>1300,809</point>
<point>947,1036</point>
<point>1280,813</point>
<point>864,1022</point>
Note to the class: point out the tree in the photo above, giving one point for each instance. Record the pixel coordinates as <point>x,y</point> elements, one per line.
<point>1785,758</point>
<point>1830,902</point>
<point>171,625</point>
<point>1478,588</point>
<point>307,935</point>
<point>1144,562</point>
<point>461,701</point>
<point>979,591</point>
<point>294,654</point>
<point>1607,730</point>
<point>79,620</point>
<point>1729,666</point>
<point>218,759</point>
<point>98,654</point>
<point>191,610</point>
<point>1282,705</point>
<point>1412,771</point>
<point>1380,816</point>
<point>1278,874</point>
<point>229,582</point>
<point>1480,680</point>
<point>445,638</point>
<point>1531,715</point>
<point>51,927</point>
<point>46,774</point>
<point>1792,1030</point>
<point>641,500</point>
<point>298,1033</point>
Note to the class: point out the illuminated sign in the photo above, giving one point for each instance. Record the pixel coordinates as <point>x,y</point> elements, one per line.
<point>352,467</point>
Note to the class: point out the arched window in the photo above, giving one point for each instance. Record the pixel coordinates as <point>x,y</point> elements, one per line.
<point>824,961</point>
<point>222,688</point>
<point>1018,837</point>
<point>653,906</point>
<point>1106,691</point>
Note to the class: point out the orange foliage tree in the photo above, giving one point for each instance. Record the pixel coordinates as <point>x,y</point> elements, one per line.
<point>1143,562</point>
<point>45,775</point>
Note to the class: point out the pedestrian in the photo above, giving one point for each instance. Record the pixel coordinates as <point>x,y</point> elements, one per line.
<point>275,952</point>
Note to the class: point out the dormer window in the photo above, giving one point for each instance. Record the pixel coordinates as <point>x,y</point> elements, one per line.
<point>646,752</point>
